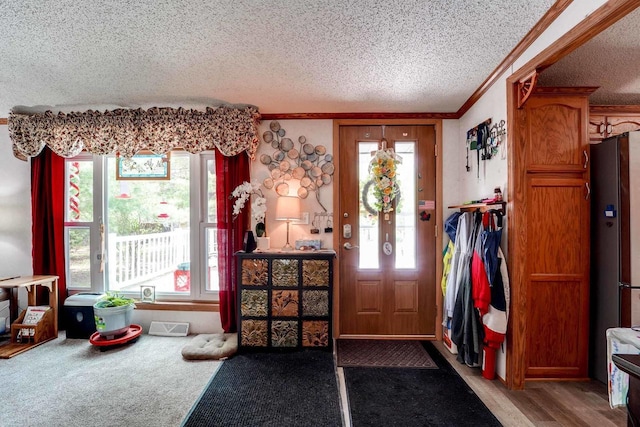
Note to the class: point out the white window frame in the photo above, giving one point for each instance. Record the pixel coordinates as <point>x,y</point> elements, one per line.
<point>197,229</point>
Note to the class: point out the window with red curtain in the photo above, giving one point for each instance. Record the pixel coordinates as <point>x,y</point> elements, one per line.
<point>48,206</point>
<point>231,171</point>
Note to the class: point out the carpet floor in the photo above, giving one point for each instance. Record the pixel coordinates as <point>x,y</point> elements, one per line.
<point>414,397</point>
<point>271,389</point>
<point>383,353</point>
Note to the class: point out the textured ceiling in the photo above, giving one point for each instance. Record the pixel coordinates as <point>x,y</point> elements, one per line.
<point>295,56</point>
<point>611,60</point>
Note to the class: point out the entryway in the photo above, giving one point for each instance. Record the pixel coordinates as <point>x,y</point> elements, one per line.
<point>387,260</point>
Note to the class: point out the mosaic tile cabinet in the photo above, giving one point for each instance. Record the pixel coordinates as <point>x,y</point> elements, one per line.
<point>285,300</point>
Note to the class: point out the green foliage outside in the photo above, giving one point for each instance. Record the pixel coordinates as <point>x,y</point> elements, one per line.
<point>137,214</point>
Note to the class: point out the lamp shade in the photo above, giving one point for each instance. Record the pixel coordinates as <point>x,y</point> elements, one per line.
<point>288,208</point>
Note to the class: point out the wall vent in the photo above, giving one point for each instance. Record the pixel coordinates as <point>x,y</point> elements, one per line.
<point>169,329</point>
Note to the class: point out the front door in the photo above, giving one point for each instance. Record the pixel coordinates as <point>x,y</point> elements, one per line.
<point>387,260</point>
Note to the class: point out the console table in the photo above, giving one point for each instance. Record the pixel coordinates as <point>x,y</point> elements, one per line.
<point>30,283</point>
<point>285,299</point>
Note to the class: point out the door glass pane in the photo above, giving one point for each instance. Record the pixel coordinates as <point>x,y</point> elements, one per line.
<point>79,190</point>
<point>212,259</point>
<point>148,230</point>
<point>79,262</point>
<point>368,230</point>
<point>405,211</point>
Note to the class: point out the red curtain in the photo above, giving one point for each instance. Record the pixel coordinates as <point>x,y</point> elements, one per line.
<point>47,211</point>
<point>230,172</point>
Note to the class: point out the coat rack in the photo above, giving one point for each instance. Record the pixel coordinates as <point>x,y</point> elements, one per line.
<point>482,207</point>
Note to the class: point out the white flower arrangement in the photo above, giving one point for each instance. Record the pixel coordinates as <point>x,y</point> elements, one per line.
<point>242,193</point>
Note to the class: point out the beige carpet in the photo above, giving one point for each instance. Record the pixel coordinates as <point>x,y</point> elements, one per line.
<point>69,382</point>
<point>383,354</point>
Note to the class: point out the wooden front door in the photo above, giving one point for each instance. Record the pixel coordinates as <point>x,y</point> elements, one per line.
<point>387,262</point>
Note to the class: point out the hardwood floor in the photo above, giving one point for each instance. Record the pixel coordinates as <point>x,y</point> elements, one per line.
<point>542,403</point>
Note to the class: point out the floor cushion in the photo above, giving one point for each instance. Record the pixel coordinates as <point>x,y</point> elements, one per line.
<point>211,346</point>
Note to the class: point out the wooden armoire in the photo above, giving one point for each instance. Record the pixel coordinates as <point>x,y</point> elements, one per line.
<point>550,246</point>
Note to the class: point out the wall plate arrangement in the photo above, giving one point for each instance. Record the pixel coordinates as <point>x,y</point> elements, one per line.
<point>309,164</point>
<point>147,293</point>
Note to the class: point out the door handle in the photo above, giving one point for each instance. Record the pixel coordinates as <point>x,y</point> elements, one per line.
<point>348,246</point>
<point>586,184</point>
<point>586,159</point>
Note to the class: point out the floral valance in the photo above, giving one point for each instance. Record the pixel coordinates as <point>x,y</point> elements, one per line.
<point>228,129</point>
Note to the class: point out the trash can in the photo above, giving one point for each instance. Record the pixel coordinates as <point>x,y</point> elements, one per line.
<point>78,314</point>
<point>489,363</point>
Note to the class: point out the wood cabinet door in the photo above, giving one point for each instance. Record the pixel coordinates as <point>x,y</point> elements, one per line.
<point>557,278</point>
<point>551,204</point>
<point>556,128</point>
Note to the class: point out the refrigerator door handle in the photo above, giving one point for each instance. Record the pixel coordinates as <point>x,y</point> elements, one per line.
<point>586,158</point>
<point>586,184</point>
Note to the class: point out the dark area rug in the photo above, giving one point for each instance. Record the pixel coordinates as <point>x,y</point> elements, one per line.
<point>414,397</point>
<point>383,353</point>
<point>271,389</point>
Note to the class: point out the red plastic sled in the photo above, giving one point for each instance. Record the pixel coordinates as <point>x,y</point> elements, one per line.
<point>134,332</point>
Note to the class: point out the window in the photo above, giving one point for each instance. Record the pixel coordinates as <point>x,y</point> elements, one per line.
<point>122,234</point>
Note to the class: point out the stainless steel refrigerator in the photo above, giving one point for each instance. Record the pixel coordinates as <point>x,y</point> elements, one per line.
<point>615,242</point>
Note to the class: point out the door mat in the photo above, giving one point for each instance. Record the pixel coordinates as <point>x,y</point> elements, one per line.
<point>383,354</point>
<point>271,389</point>
<point>414,397</point>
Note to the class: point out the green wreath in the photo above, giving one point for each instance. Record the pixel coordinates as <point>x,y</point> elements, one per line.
<point>365,197</point>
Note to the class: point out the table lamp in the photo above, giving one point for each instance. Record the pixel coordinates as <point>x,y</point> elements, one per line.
<point>287,209</point>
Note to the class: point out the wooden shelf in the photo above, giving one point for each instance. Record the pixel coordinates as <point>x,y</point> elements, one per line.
<point>46,329</point>
<point>42,332</point>
<point>482,207</point>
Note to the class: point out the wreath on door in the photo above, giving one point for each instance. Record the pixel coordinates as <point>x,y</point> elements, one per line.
<point>367,193</point>
<point>383,176</point>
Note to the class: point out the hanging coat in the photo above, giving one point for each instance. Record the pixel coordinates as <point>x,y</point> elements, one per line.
<point>480,287</point>
<point>495,320</point>
<point>466,325</point>
<point>491,243</point>
<point>484,265</point>
<point>459,261</point>
<point>450,227</point>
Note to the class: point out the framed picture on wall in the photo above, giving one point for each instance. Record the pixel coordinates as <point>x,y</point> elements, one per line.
<point>144,165</point>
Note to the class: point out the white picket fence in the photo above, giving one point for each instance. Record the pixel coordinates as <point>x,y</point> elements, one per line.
<point>136,259</point>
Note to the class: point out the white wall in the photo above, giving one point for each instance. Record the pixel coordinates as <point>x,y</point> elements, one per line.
<point>452,168</point>
<point>200,322</point>
<point>317,132</point>
<point>15,211</point>
<point>15,214</point>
